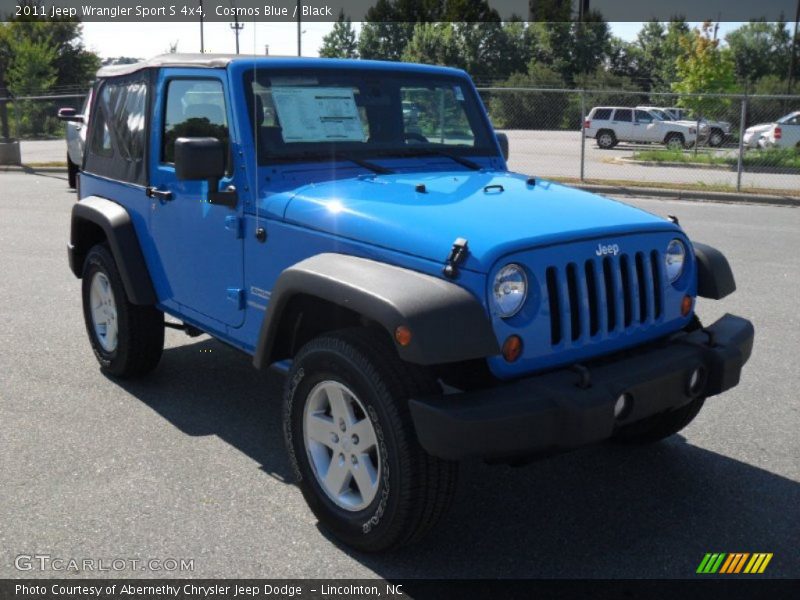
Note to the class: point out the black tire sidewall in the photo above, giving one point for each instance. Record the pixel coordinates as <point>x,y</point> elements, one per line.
<point>100,260</point>
<point>72,173</point>
<point>368,526</point>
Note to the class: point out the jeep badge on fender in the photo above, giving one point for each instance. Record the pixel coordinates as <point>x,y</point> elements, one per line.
<point>356,223</point>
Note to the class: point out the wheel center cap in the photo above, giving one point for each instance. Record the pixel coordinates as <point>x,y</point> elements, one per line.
<point>346,444</point>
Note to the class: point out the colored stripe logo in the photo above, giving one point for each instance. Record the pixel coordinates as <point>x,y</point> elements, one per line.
<point>735,562</point>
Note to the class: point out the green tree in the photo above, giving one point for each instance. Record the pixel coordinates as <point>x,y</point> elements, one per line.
<point>571,48</point>
<point>760,49</point>
<point>75,66</point>
<point>537,109</point>
<point>31,72</point>
<point>389,25</point>
<point>480,48</point>
<point>341,41</point>
<point>703,68</point>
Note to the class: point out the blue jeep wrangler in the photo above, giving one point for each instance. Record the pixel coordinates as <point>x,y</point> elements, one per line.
<point>429,304</point>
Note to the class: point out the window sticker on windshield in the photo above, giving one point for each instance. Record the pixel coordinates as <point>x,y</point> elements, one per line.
<point>459,94</point>
<point>318,114</point>
<point>293,80</point>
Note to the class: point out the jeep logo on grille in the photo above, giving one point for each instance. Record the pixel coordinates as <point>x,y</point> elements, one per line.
<point>603,249</point>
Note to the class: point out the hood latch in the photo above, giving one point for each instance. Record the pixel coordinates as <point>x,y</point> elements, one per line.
<point>457,254</point>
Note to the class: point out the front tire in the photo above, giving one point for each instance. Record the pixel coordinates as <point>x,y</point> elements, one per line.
<point>716,138</point>
<point>352,443</point>
<point>126,339</point>
<point>72,173</point>
<point>659,427</point>
<point>675,141</point>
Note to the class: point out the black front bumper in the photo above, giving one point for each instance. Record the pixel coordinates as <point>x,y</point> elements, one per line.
<point>568,408</point>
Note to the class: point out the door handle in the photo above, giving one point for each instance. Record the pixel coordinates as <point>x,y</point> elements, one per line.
<point>153,192</point>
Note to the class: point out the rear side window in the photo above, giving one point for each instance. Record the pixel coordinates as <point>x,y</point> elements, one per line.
<point>602,114</point>
<point>195,108</point>
<point>118,131</point>
<point>624,114</point>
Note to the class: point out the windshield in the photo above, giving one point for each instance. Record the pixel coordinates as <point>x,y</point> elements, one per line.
<point>318,113</point>
<point>790,119</point>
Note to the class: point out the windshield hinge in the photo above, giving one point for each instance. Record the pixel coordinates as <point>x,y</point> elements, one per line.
<point>457,254</point>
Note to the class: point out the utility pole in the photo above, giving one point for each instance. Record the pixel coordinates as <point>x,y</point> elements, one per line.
<point>202,44</point>
<point>793,58</point>
<point>237,27</point>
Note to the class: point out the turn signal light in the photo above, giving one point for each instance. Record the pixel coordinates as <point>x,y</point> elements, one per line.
<point>512,348</point>
<point>686,305</point>
<point>403,335</point>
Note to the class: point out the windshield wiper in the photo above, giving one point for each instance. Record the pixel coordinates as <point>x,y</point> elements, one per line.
<point>414,152</point>
<point>364,163</point>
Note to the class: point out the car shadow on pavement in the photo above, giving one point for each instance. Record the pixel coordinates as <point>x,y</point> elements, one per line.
<point>604,511</point>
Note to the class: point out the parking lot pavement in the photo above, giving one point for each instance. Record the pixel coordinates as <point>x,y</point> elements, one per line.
<point>558,154</point>
<point>43,151</point>
<point>189,462</point>
<point>553,154</point>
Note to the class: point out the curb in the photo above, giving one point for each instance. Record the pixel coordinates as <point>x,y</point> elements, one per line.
<point>32,169</point>
<point>692,195</point>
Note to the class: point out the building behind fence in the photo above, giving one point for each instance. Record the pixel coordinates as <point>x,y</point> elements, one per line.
<point>545,129</point>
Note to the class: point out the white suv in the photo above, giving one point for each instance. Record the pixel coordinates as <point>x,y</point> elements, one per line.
<point>610,125</point>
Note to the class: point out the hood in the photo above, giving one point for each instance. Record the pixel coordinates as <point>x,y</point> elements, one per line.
<point>496,212</point>
<point>761,127</point>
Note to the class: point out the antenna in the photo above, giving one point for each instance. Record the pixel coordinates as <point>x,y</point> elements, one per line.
<point>202,45</point>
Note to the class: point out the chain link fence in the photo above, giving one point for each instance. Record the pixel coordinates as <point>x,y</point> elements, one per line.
<point>550,135</point>
<point>36,117</point>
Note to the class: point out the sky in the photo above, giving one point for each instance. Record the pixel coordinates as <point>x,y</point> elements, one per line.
<point>128,39</point>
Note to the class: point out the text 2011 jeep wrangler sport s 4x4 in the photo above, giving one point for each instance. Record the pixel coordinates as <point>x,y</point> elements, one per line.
<point>432,305</point>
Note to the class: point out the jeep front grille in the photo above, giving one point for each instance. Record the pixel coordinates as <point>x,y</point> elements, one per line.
<point>604,295</point>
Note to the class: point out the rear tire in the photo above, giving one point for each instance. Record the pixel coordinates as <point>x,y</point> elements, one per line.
<point>127,339</point>
<point>716,138</point>
<point>402,491</point>
<point>72,173</point>
<point>606,139</point>
<point>658,427</point>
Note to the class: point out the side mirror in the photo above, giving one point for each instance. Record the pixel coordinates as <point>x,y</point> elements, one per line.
<point>199,158</point>
<point>69,114</point>
<point>502,139</point>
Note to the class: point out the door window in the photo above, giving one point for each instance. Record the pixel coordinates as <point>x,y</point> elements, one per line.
<point>624,114</point>
<point>195,108</point>
<point>642,116</point>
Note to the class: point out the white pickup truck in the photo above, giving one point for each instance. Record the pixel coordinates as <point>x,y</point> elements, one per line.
<point>609,125</point>
<point>783,133</point>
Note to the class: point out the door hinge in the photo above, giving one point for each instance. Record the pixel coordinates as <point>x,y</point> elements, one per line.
<point>236,225</point>
<point>236,295</point>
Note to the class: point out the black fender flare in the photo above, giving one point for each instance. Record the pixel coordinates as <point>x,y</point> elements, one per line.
<point>447,323</point>
<point>119,231</point>
<point>714,275</point>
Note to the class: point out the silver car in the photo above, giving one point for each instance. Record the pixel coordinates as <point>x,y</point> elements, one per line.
<point>76,137</point>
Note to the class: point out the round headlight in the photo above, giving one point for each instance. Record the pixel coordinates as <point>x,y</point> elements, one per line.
<point>509,290</point>
<point>674,259</point>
